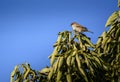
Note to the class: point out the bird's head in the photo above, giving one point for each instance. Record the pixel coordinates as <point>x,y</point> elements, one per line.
<point>73,23</point>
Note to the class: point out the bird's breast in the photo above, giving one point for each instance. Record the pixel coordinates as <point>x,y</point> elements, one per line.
<point>76,28</point>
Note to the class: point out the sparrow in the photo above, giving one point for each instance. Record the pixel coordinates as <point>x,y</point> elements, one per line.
<point>79,28</point>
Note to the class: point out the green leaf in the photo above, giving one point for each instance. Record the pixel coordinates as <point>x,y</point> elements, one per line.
<point>112,18</point>
<point>118,3</point>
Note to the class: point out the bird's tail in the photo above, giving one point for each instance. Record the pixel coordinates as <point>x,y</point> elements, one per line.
<point>85,29</point>
<point>90,32</point>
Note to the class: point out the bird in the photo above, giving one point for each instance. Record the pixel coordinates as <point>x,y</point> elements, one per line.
<point>79,28</point>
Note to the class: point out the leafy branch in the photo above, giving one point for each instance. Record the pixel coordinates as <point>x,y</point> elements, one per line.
<point>76,59</point>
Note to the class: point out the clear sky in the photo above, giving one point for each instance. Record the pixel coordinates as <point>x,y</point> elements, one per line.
<point>29,28</point>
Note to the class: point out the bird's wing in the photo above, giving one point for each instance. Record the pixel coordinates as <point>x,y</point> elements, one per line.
<point>85,28</point>
<point>78,25</point>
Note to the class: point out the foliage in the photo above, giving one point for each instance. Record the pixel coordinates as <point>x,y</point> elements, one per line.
<point>118,3</point>
<point>76,59</point>
<point>114,18</point>
<point>24,73</point>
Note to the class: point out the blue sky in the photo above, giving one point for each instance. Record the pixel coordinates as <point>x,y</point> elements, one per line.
<point>28,28</point>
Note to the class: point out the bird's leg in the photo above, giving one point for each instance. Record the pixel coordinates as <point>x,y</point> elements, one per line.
<point>74,32</point>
